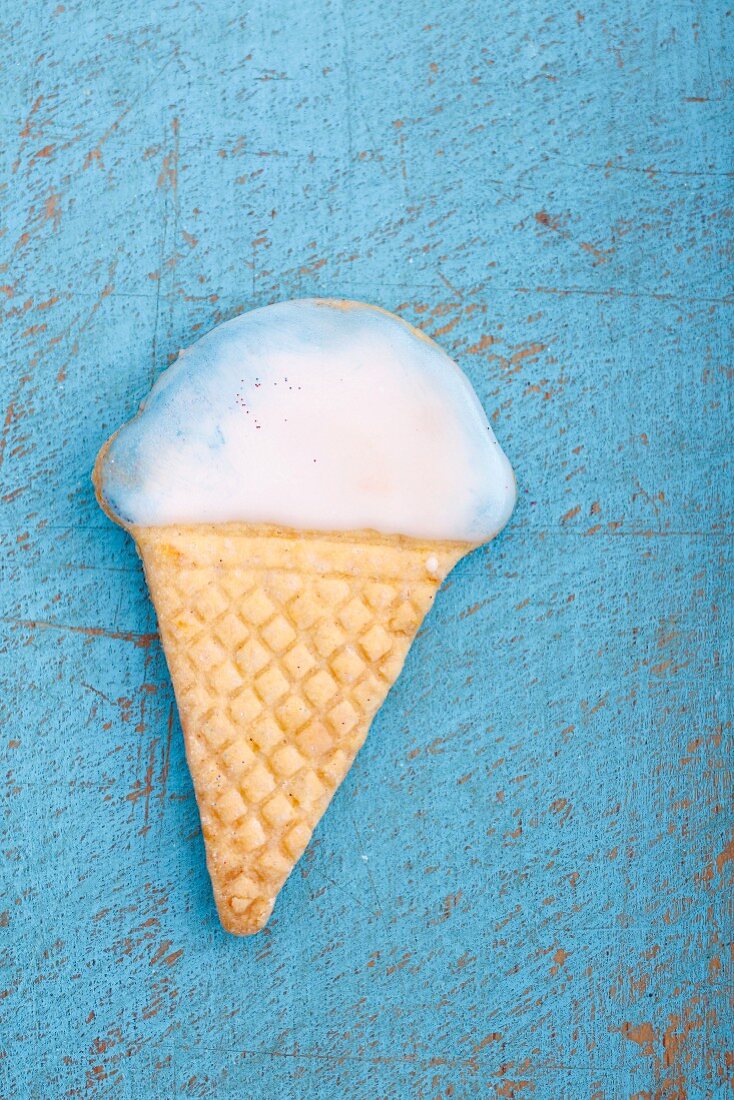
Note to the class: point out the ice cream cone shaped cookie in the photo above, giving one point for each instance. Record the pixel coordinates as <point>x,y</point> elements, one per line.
<point>298,485</point>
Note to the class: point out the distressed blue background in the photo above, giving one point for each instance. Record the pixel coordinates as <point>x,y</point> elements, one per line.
<point>523,889</point>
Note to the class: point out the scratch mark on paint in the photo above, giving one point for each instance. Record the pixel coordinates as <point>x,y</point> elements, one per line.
<point>140,640</point>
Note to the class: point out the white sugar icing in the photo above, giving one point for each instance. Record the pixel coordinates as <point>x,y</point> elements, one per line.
<point>315,415</point>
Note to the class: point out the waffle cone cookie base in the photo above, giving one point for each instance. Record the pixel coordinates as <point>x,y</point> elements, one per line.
<point>281,647</point>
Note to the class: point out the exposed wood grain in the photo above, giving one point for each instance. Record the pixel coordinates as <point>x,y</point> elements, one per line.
<point>524,888</point>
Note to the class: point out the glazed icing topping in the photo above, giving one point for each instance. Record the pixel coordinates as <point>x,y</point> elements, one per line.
<point>316,415</point>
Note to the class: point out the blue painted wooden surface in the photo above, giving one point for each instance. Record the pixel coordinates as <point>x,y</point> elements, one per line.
<point>524,887</point>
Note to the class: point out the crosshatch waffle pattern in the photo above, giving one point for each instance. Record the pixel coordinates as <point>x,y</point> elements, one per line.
<point>281,648</point>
